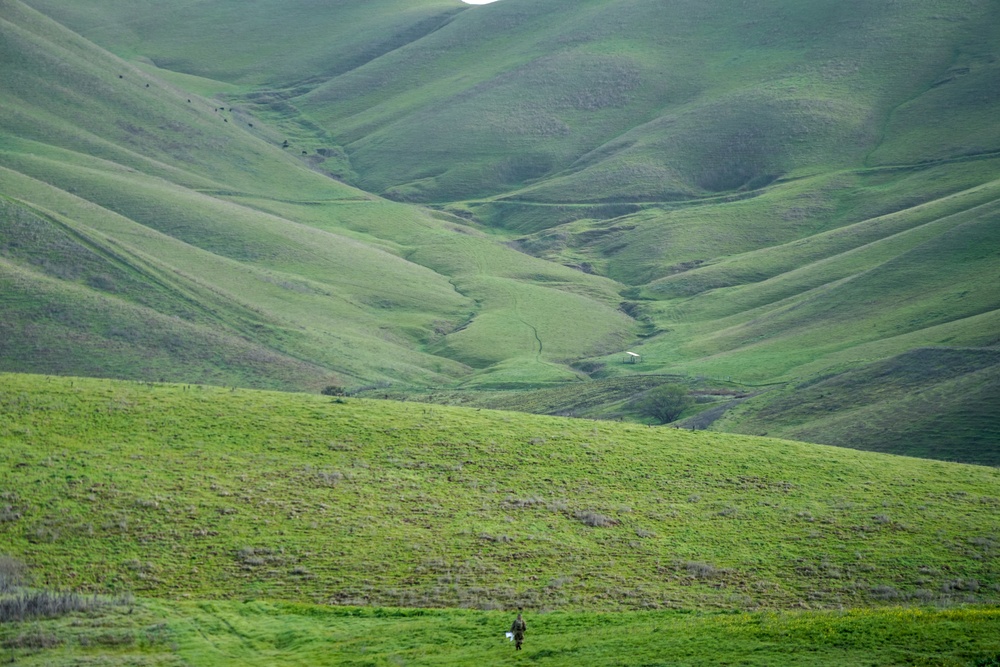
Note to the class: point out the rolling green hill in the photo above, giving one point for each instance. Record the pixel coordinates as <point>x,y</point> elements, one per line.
<point>790,208</point>
<point>232,42</point>
<point>774,194</point>
<point>152,233</point>
<point>233,496</point>
<point>569,102</point>
<point>601,101</point>
<point>174,490</point>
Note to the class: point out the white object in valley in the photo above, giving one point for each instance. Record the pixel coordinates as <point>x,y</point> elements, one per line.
<point>509,635</point>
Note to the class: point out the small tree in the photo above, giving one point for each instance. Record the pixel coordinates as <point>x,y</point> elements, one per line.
<point>664,403</point>
<point>332,390</point>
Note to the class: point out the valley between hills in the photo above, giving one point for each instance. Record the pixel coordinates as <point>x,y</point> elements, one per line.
<point>317,323</point>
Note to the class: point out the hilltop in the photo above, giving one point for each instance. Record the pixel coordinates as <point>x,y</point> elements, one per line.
<point>569,102</point>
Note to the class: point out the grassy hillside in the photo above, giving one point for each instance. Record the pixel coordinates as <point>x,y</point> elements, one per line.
<point>176,490</point>
<point>236,43</point>
<point>639,101</point>
<point>841,300</point>
<point>237,499</point>
<point>589,101</point>
<point>788,207</point>
<point>932,402</point>
<point>775,194</point>
<point>154,234</point>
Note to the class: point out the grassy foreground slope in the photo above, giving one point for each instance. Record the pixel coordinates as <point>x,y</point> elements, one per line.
<point>267,633</point>
<point>240,515</point>
<point>175,491</point>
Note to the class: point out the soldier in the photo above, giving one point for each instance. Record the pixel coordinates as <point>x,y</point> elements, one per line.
<point>517,628</point>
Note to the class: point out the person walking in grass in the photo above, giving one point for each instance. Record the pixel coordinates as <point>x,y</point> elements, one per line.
<point>517,628</point>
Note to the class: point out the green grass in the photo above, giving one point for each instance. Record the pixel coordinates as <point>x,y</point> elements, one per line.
<point>602,398</point>
<point>267,296</point>
<point>604,113</point>
<point>571,101</point>
<point>246,52</point>
<point>268,633</point>
<point>793,204</point>
<point>172,491</point>
<point>238,517</point>
<point>797,310</point>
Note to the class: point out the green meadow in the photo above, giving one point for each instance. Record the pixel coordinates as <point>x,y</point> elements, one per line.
<point>180,493</point>
<point>173,490</point>
<point>267,633</point>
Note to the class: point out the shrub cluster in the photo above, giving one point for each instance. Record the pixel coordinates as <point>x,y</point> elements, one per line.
<point>12,574</point>
<point>45,604</point>
<point>595,519</point>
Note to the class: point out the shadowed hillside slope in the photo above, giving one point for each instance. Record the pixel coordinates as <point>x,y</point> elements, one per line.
<point>932,402</point>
